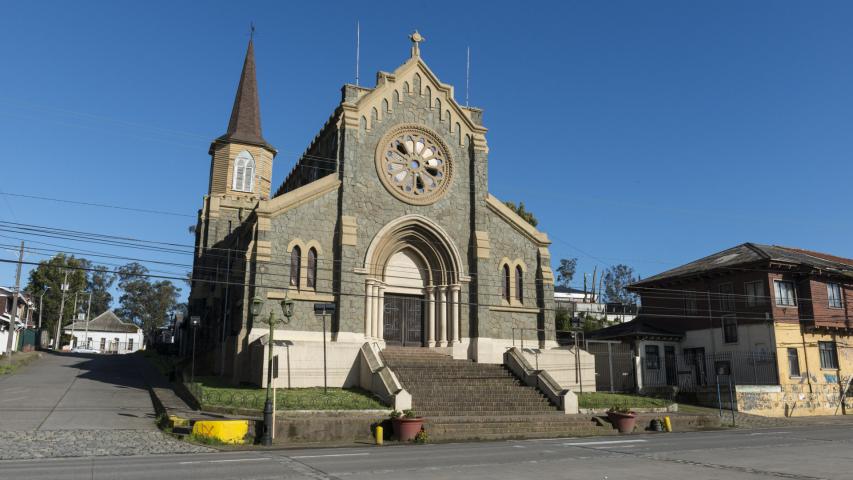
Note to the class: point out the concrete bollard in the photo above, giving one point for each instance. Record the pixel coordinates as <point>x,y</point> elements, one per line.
<point>379,434</point>
<point>667,425</point>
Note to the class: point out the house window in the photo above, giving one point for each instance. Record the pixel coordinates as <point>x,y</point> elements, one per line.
<point>833,291</point>
<point>103,344</point>
<point>652,357</point>
<point>505,283</point>
<point>130,344</point>
<point>754,293</point>
<point>519,284</point>
<point>244,172</point>
<point>727,300</point>
<point>828,355</point>
<point>730,329</point>
<point>785,293</point>
<point>793,362</point>
<point>295,264</point>
<point>691,305</point>
<point>312,268</point>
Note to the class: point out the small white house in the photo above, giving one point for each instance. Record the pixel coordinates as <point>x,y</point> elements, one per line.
<point>106,333</point>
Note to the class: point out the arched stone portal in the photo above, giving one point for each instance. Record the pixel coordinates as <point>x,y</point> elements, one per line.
<point>413,286</point>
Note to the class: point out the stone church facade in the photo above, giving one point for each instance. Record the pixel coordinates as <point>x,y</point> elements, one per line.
<point>387,214</point>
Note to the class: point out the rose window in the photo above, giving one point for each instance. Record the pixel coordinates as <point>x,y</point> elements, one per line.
<point>413,165</point>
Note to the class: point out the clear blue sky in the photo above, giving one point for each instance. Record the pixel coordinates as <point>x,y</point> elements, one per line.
<point>646,133</point>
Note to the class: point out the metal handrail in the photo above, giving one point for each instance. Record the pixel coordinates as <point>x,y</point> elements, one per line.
<point>574,333</point>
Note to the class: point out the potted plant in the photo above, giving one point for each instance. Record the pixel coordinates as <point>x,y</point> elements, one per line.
<point>406,425</point>
<point>623,418</point>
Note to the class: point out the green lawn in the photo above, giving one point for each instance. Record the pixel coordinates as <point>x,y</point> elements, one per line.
<point>607,400</point>
<point>215,392</point>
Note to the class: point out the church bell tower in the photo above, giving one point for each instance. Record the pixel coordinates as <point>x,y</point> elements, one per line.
<point>241,160</point>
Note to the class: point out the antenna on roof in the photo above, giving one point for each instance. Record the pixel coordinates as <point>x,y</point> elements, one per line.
<point>357,48</point>
<point>467,74</point>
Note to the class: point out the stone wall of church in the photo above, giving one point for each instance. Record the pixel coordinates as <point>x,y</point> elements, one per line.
<point>305,224</point>
<point>366,199</point>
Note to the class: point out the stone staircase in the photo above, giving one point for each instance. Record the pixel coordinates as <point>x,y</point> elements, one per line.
<point>464,400</point>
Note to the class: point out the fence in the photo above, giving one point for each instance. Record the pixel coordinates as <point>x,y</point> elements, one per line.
<point>614,366</point>
<point>690,370</point>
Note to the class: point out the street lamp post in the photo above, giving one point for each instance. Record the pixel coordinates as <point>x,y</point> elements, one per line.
<point>287,309</point>
<point>41,303</point>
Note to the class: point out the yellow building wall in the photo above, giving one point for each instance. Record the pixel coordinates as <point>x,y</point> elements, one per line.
<point>816,391</point>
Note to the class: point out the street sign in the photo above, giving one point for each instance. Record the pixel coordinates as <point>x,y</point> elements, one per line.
<point>324,308</point>
<point>195,320</point>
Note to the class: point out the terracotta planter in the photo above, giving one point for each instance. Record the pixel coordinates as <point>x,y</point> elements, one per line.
<point>624,422</point>
<point>406,428</point>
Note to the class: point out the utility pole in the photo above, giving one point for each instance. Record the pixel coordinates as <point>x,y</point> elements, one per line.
<point>88,311</point>
<point>41,304</point>
<point>64,288</point>
<point>14,311</point>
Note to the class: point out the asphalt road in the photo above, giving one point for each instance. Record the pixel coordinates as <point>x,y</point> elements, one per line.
<point>74,392</point>
<point>805,453</point>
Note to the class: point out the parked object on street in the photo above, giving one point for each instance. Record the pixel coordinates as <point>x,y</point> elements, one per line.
<point>623,419</point>
<point>406,425</point>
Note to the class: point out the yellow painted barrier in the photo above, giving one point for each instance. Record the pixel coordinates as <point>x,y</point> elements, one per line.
<point>379,435</point>
<point>667,425</point>
<point>227,431</point>
<point>176,421</point>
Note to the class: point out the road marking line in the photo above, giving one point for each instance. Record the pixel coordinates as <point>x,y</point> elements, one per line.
<point>253,459</point>
<point>332,455</point>
<point>609,442</point>
<point>768,433</point>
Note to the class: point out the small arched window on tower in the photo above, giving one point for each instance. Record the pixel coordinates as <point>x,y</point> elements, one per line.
<point>295,265</point>
<point>385,107</point>
<point>505,283</point>
<point>244,173</point>
<point>438,107</point>
<point>311,274</point>
<point>519,284</point>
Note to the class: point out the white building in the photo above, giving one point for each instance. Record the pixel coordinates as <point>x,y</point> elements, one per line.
<point>23,316</point>
<point>577,302</point>
<point>106,333</point>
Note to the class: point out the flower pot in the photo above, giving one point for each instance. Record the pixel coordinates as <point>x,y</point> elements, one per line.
<point>406,428</point>
<point>624,422</point>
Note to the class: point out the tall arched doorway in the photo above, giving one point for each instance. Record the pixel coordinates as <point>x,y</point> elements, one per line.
<point>413,285</point>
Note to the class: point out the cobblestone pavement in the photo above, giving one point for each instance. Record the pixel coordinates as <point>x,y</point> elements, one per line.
<point>90,443</point>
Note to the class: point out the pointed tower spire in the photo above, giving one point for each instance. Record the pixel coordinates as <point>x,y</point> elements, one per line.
<point>245,123</point>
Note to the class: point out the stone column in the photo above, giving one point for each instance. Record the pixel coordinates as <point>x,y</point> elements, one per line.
<point>368,309</point>
<point>442,317</point>
<point>381,311</point>
<point>430,314</point>
<point>454,312</point>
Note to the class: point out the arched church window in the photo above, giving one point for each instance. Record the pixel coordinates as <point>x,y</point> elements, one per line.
<point>385,107</point>
<point>295,264</point>
<point>505,283</point>
<point>374,117</point>
<point>438,107</point>
<point>406,87</point>
<point>416,84</point>
<point>519,284</point>
<point>244,173</point>
<point>458,133</point>
<point>311,274</point>
<point>428,93</point>
<point>396,96</point>
<point>363,122</point>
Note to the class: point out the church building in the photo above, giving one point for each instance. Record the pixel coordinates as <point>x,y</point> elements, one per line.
<point>387,214</point>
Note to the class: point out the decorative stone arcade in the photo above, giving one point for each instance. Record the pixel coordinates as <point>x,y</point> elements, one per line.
<point>414,284</point>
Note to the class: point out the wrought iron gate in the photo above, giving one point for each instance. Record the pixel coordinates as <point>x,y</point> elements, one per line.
<point>403,319</point>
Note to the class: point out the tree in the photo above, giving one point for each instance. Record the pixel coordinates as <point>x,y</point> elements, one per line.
<point>48,277</point>
<point>101,279</point>
<point>566,271</point>
<point>145,303</point>
<point>616,280</point>
<point>527,216</point>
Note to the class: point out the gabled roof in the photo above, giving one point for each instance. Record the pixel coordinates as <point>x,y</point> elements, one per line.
<point>750,253</point>
<point>245,123</point>
<point>105,322</point>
